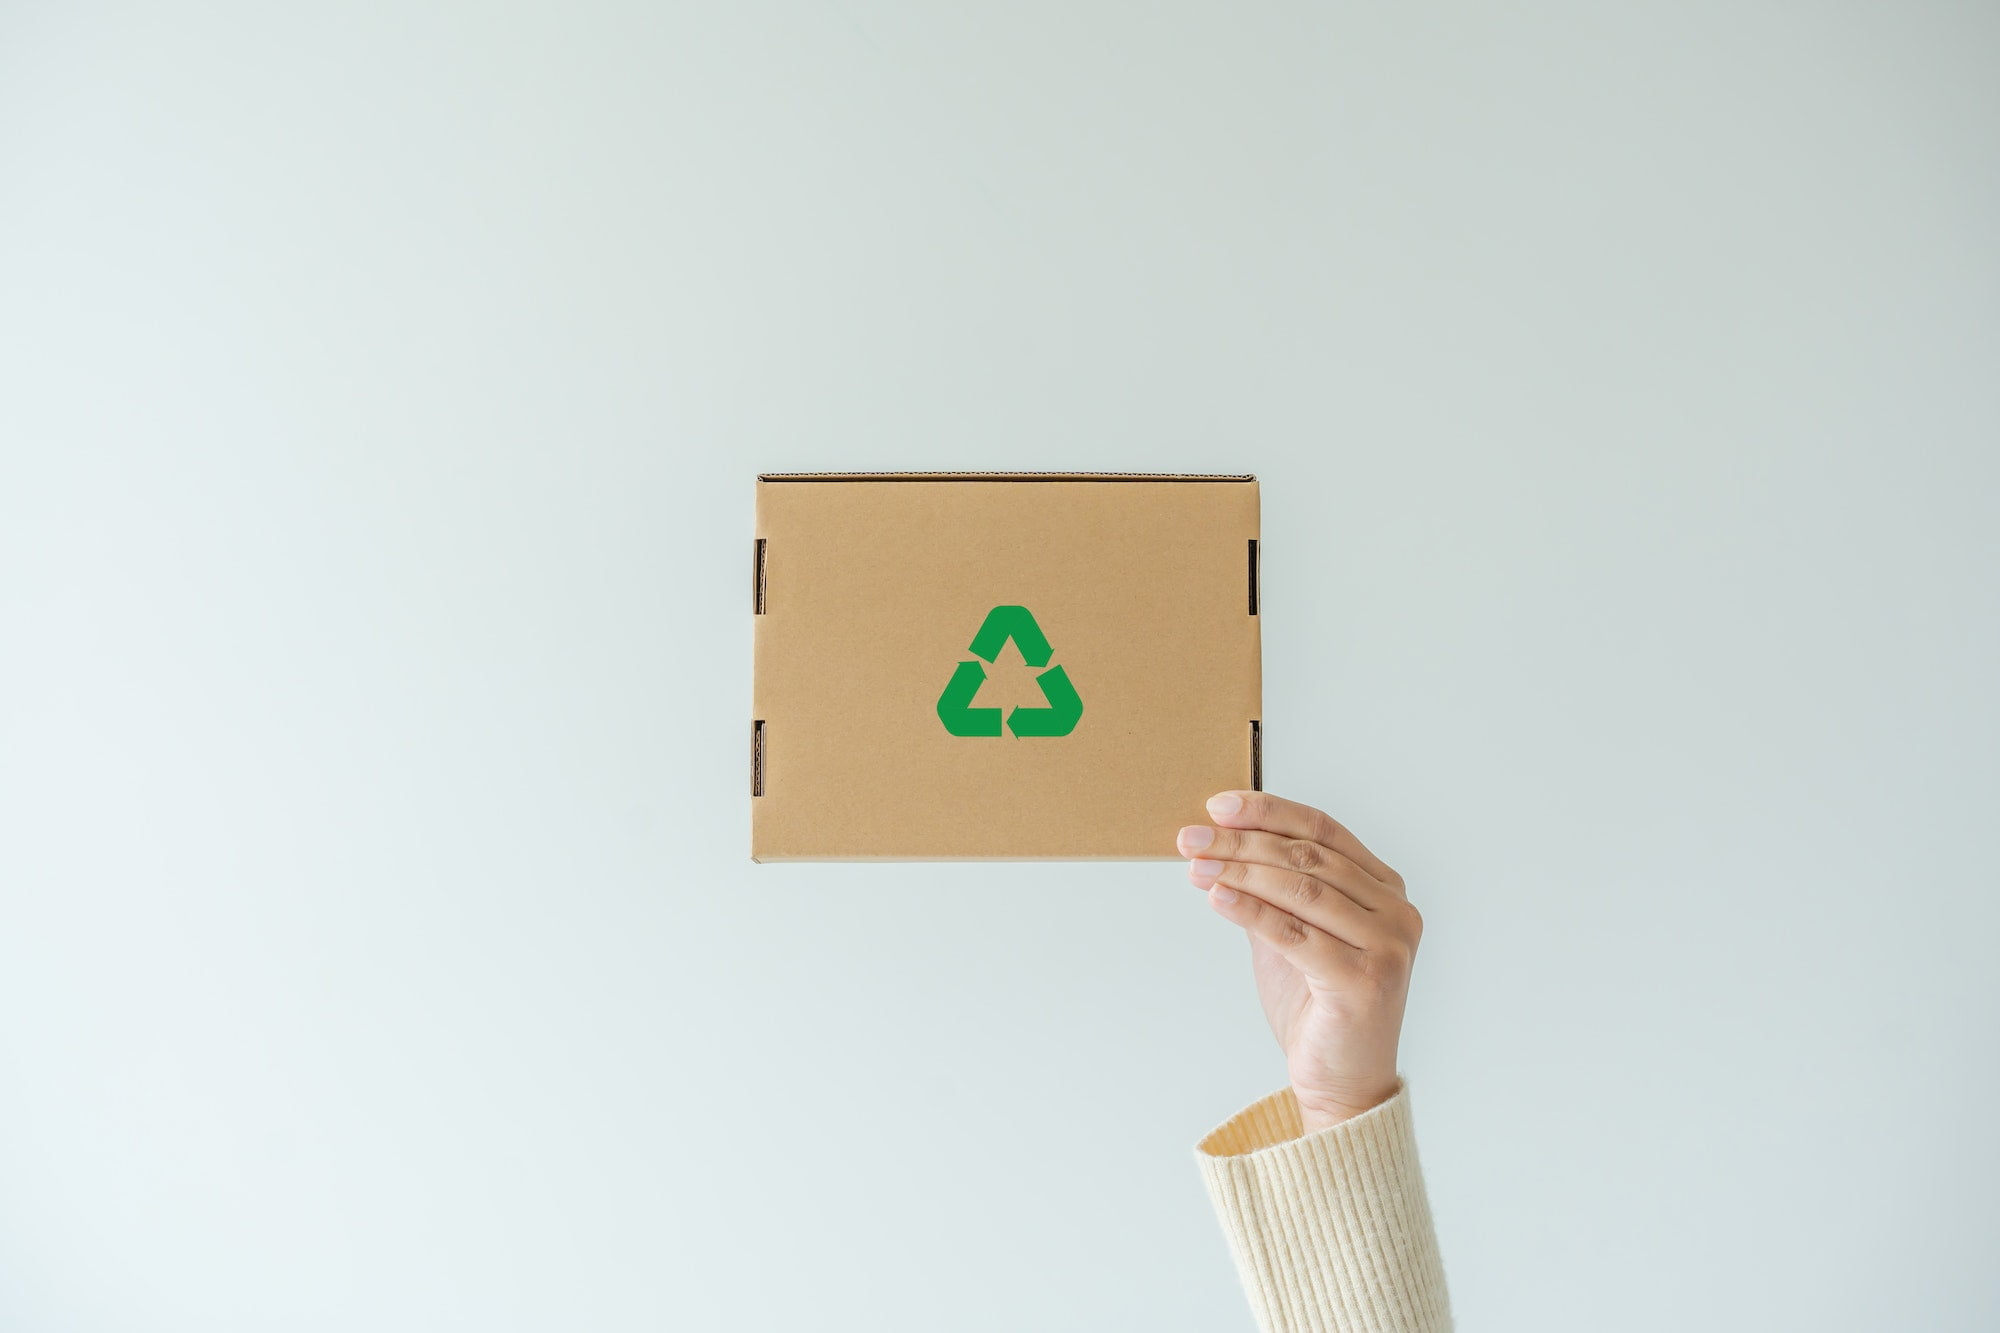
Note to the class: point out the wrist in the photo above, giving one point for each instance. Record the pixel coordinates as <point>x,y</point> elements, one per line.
<point>1320,1110</point>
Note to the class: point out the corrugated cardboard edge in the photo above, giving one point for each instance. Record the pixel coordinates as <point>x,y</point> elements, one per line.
<point>1007,476</point>
<point>758,604</point>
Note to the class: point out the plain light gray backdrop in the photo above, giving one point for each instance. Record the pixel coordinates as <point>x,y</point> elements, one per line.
<point>383,386</point>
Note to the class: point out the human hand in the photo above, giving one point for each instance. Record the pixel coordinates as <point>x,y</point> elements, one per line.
<point>1332,940</point>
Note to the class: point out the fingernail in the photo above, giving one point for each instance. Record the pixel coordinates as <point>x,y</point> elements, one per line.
<point>1195,837</point>
<point>1224,805</point>
<point>1207,870</point>
<point>1222,894</point>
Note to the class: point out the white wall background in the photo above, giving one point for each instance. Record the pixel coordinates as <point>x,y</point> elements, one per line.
<point>380,391</point>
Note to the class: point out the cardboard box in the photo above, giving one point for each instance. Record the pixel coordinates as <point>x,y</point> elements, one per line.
<point>1000,665</point>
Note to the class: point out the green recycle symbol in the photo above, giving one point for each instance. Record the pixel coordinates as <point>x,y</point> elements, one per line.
<point>954,706</point>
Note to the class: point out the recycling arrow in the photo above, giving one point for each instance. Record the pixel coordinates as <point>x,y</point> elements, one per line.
<point>1059,718</point>
<point>954,706</point>
<point>1012,622</point>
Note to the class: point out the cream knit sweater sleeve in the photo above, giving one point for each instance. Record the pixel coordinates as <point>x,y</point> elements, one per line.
<point>1331,1231</point>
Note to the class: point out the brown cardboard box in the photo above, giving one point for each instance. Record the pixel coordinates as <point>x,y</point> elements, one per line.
<point>1000,665</point>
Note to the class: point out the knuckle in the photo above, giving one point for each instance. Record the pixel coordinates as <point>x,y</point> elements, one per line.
<point>1387,964</point>
<point>1325,828</point>
<point>1302,855</point>
<point>1303,889</point>
<point>1393,878</point>
<point>1415,922</point>
<point>1292,933</point>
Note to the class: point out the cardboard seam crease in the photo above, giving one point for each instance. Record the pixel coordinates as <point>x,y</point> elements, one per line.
<point>1005,476</point>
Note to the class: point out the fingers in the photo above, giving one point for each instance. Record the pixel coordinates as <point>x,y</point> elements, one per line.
<point>1271,849</point>
<point>1314,952</point>
<point>1310,901</point>
<point>1308,876</point>
<point>1289,819</point>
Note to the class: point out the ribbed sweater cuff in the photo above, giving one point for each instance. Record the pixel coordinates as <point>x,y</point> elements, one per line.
<point>1331,1231</point>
